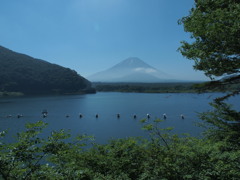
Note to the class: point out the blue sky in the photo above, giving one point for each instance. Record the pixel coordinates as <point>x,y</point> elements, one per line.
<point>92,35</point>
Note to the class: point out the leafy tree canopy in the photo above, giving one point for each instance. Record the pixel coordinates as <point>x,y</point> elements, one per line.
<point>215,27</point>
<point>162,156</point>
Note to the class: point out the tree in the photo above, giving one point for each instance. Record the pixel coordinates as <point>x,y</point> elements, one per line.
<point>214,26</point>
<point>34,155</point>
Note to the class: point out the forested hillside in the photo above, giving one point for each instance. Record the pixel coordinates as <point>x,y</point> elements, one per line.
<point>22,73</point>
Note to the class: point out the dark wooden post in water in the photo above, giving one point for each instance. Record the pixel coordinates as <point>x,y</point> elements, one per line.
<point>118,115</point>
<point>182,116</point>
<point>44,113</point>
<point>148,116</point>
<point>164,116</point>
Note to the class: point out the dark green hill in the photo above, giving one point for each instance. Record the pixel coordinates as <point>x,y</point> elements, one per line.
<point>22,73</point>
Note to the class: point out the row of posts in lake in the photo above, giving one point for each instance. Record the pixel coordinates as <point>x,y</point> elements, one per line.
<point>18,116</point>
<point>45,114</point>
<point>118,116</point>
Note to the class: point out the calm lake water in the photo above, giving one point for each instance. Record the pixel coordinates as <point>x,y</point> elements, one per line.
<point>107,105</point>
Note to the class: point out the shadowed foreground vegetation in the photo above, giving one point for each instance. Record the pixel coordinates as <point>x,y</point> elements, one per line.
<point>162,156</point>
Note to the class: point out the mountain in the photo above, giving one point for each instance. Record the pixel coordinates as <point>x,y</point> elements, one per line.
<point>132,69</point>
<point>22,73</point>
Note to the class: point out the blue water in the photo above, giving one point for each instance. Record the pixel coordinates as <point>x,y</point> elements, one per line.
<point>107,105</point>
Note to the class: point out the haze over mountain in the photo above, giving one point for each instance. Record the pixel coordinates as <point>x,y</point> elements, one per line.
<point>22,73</point>
<point>131,69</point>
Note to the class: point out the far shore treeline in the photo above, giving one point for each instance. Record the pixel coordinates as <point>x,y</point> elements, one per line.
<point>177,87</point>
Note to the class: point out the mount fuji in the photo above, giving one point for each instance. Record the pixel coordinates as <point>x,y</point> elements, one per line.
<point>131,69</point>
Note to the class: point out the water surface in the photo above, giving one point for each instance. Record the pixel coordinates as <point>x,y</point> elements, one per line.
<point>107,106</point>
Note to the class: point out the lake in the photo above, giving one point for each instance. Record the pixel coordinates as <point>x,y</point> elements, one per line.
<point>63,112</point>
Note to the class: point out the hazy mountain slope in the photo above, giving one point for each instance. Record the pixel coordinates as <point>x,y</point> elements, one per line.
<point>19,72</point>
<point>131,70</point>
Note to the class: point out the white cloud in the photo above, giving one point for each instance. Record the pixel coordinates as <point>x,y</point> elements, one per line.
<point>146,70</point>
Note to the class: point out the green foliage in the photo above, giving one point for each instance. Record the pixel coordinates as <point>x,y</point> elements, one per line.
<point>215,27</point>
<point>21,73</point>
<point>217,86</point>
<point>180,87</point>
<point>58,157</point>
<point>223,124</point>
<point>28,157</point>
<point>212,86</point>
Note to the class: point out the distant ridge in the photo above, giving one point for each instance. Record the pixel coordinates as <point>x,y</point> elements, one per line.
<point>22,73</point>
<point>131,69</point>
